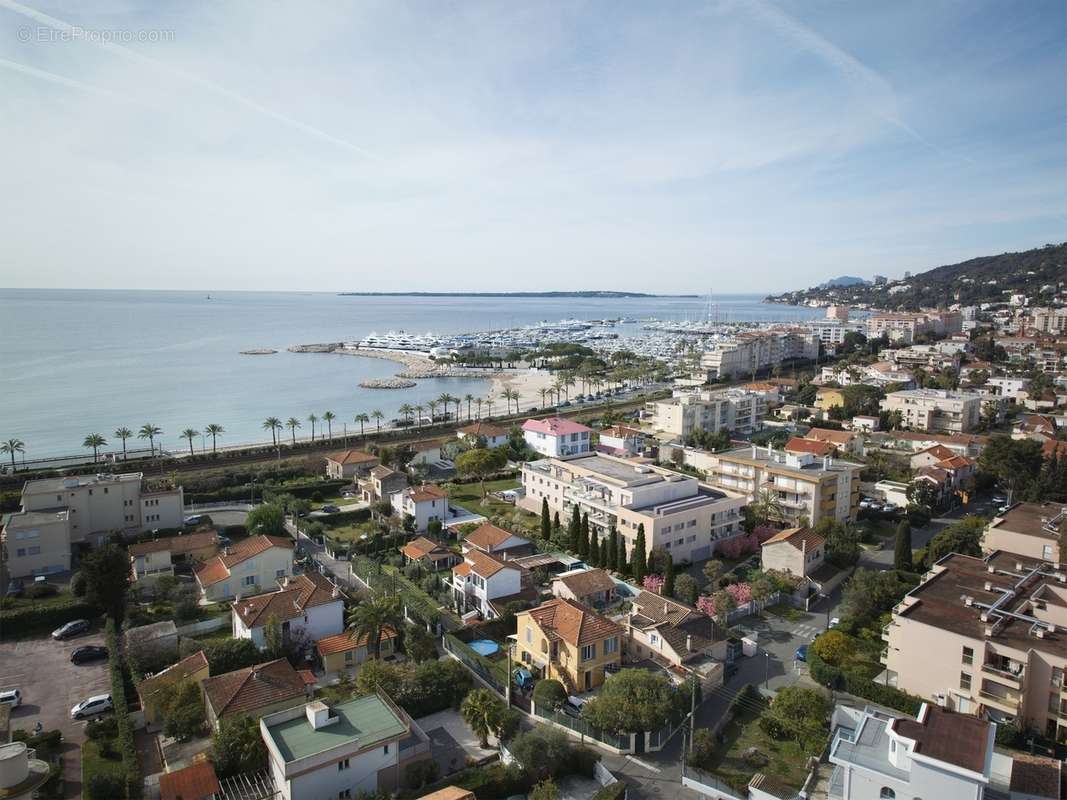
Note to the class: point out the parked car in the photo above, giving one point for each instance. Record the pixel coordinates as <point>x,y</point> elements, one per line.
<point>865,503</point>
<point>89,652</point>
<point>11,697</point>
<point>572,706</point>
<point>330,508</point>
<point>70,629</point>
<point>833,623</point>
<point>889,508</point>
<point>93,706</point>
<point>15,588</point>
<point>999,500</point>
<point>801,654</point>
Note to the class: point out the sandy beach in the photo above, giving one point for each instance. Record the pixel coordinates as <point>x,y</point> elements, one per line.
<point>528,383</point>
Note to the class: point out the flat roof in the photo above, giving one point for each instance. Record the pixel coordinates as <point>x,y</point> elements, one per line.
<point>1033,519</point>
<point>763,459</point>
<point>361,722</point>
<point>625,472</point>
<point>75,481</point>
<point>40,517</point>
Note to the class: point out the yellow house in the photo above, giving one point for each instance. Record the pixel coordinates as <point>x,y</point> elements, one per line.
<point>564,640</point>
<point>346,651</point>
<point>194,668</point>
<point>827,397</point>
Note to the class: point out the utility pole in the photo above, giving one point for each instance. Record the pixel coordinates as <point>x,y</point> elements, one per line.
<point>692,713</point>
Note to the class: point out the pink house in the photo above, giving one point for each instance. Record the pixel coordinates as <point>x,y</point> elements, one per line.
<point>557,437</point>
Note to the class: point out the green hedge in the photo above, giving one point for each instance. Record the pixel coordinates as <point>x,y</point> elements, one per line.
<point>25,621</point>
<point>842,680</point>
<point>613,791</point>
<point>343,518</point>
<point>126,746</point>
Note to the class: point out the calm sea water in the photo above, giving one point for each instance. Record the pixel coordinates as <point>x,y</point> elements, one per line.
<point>75,362</point>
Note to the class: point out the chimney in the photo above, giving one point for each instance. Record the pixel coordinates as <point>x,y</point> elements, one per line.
<point>666,608</point>
<point>318,715</point>
<point>753,451</point>
<point>689,643</point>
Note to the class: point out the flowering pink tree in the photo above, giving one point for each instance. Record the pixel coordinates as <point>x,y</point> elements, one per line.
<point>653,583</point>
<point>741,592</point>
<point>763,533</point>
<point>706,605</point>
<point>739,546</point>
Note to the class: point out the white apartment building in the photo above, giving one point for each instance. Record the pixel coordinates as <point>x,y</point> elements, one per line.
<point>307,607</point>
<point>738,410</point>
<point>832,331</point>
<point>485,583</point>
<point>806,486</point>
<point>1049,320</point>
<point>557,436</point>
<point>935,410</point>
<point>757,350</point>
<point>59,514</point>
<point>679,513</point>
<point>422,503</point>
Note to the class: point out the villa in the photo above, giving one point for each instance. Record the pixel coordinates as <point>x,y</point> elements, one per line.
<point>350,464</point>
<point>308,608</point>
<point>557,436</point>
<point>422,503</point>
<point>245,567</point>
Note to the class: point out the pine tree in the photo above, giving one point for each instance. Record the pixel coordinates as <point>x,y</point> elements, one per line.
<point>668,576</point>
<point>902,551</point>
<point>574,529</point>
<point>611,544</point>
<point>546,521</point>
<point>638,565</point>
<point>583,537</point>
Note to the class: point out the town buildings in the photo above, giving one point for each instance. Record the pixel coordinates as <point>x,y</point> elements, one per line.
<point>432,555</point>
<point>798,551</point>
<point>256,691</point>
<point>58,515</point>
<point>345,651</point>
<point>350,464</point>
<point>381,483</point>
<point>246,567</point>
<point>712,411</point>
<point>677,636</point>
<point>496,541</point>
<point>307,608</point>
<point>422,504</point>
<point>758,350</point>
<point>566,641</point>
<point>621,440</point>
<point>557,436</point>
<point>149,560</point>
<point>590,587</point>
<point>677,512</point>
<point>935,410</point>
<point>482,434</point>
<point>805,486</point>
<point>193,668</point>
<point>485,584</point>
<point>1031,530</point>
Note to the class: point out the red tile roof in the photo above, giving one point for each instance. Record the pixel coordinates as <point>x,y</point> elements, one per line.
<point>300,593</point>
<point>956,462</point>
<point>587,582</point>
<point>840,438</point>
<point>482,564</point>
<point>938,451</point>
<point>347,640</point>
<point>246,690</point>
<point>482,429</point>
<point>1036,776</point>
<point>798,537</point>
<point>449,793</point>
<point>182,543</point>
<point>346,457</point>
<point>217,569</point>
<point>572,622</point>
<point>798,445</point>
<point>198,781</point>
<point>555,426</point>
<point>488,536</point>
<point>426,493</point>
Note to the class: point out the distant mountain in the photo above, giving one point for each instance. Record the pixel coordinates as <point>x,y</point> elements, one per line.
<point>844,280</point>
<point>988,279</point>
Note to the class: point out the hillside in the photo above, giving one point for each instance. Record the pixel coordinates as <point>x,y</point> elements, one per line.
<point>988,279</point>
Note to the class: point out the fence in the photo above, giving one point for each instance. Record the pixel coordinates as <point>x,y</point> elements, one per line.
<point>620,743</point>
<point>752,607</point>
<point>205,626</point>
<point>388,581</point>
<point>708,785</point>
<point>493,673</point>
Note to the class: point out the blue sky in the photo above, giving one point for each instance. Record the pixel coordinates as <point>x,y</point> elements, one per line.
<point>741,146</point>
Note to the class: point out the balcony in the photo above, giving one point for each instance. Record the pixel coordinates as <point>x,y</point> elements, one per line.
<point>885,632</point>
<point>1005,701</point>
<point>1004,676</point>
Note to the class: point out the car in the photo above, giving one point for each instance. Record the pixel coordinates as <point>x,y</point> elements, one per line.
<point>1003,509</point>
<point>11,697</point>
<point>15,588</point>
<point>833,623</point>
<point>225,541</point>
<point>889,508</point>
<point>196,519</point>
<point>865,503</point>
<point>72,628</point>
<point>330,508</point>
<point>92,707</point>
<point>998,500</point>
<point>875,506</point>
<point>801,654</point>
<point>89,652</point>
<point>572,706</point>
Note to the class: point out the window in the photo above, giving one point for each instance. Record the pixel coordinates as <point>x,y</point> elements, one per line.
<point>529,636</point>
<point>653,640</point>
<point>887,794</point>
<point>248,580</point>
<point>344,794</point>
<point>968,655</point>
<point>588,652</point>
<point>965,681</point>
<point>385,750</point>
<point>611,645</point>
<point>342,764</point>
<point>348,655</point>
<point>34,551</point>
<point>1046,552</point>
<point>279,573</point>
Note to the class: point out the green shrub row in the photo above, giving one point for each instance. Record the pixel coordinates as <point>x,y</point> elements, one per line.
<point>126,746</point>
<point>846,681</point>
<point>25,621</point>
<point>613,791</point>
<point>344,518</point>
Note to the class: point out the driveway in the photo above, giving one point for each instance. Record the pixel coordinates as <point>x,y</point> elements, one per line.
<point>50,686</point>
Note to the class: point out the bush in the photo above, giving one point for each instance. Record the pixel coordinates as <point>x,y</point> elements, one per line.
<point>78,584</point>
<point>26,621</point>
<point>35,591</point>
<point>546,752</point>
<point>549,694</point>
<point>102,728</point>
<point>834,678</point>
<point>106,786</point>
<point>126,747</point>
<point>421,773</point>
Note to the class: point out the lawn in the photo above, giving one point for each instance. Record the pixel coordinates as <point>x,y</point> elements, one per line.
<point>18,603</point>
<point>786,761</point>
<point>327,500</point>
<point>94,762</point>
<point>469,496</point>
<point>352,532</point>
<point>783,611</point>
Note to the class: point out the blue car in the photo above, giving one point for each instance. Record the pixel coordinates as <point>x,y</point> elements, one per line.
<point>802,653</point>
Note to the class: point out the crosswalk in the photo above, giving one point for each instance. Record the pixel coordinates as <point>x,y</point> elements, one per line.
<point>805,631</point>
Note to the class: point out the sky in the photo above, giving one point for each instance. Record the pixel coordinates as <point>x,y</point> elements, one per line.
<point>732,145</point>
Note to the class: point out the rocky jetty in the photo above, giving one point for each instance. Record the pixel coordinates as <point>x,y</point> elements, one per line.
<point>260,351</point>
<point>326,347</point>
<point>387,383</point>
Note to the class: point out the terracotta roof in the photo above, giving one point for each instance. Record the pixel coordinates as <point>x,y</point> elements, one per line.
<point>947,736</point>
<point>217,569</point>
<point>681,626</point>
<point>621,432</point>
<point>555,426</point>
<point>251,688</point>
<point>572,622</point>
<point>938,451</point>
<point>449,793</point>
<point>482,564</point>
<point>488,536</point>
<point>1054,446</point>
<point>347,640</point>
<point>840,438</point>
<point>198,781</point>
<point>797,537</point>
<point>422,547</point>
<point>302,592</point>
<point>182,543</point>
<point>587,582</point>
<point>482,429</point>
<point>426,492</point>
<point>1036,776</point>
<point>351,457</point>
<point>935,474</point>
<point>956,462</point>
<point>798,445</point>
<point>381,471</point>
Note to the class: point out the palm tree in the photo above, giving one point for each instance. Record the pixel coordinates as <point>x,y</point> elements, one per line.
<point>292,424</point>
<point>481,710</point>
<point>123,433</point>
<point>12,446</point>
<point>361,419</point>
<point>767,507</point>
<point>512,394</point>
<point>189,434</point>
<point>378,416</point>
<point>469,398</point>
<point>273,424</point>
<point>457,401</point>
<point>418,410</point>
<point>406,410</point>
<point>557,387</point>
<point>312,419</point>
<point>489,404</point>
<point>433,409</point>
<point>95,441</point>
<point>214,430</point>
<point>328,417</point>
<point>544,391</point>
<point>150,432</point>
<point>444,400</point>
<point>479,402</point>
<point>371,619</point>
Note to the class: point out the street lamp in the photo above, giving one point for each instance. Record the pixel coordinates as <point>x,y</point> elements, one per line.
<point>767,669</point>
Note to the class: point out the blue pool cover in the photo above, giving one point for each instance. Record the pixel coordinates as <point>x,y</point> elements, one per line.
<point>484,647</point>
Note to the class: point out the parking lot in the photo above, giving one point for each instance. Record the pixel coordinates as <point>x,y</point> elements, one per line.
<point>50,686</point>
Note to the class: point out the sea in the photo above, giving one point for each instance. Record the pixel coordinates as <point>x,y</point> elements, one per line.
<point>77,362</point>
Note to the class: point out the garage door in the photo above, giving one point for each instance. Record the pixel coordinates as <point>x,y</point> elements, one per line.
<point>701,553</point>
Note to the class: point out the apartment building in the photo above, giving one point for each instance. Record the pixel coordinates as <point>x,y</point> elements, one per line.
<point>1031,530</point>
<point>565,641</point>
<point>758,350</point>
<point>923,356</point>
<point>902,328</point>
<point>422,503</point>
<point>58,515</point>
<point>831,332</point>
<point>557,436</point>
<point>358,747</point>
<point>1049,320</point>
<point>807,487</point>
<point>713,411</point>
<point>986,636</point>
<point>679,513</point>
<point>935,410</point>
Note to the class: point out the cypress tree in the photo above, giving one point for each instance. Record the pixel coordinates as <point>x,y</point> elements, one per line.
<point>611,544</point>
<point>902,551</point>
<point>546,521</point>
<point>574,529</point>
<point>583,537</point>
<point>620,557</point>
<point>594,551</point>
<point>668,576</point>
<point>638,563</point>
<point>555,527</point>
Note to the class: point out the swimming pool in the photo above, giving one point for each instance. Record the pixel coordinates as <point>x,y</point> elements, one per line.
<point>484,647</point>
